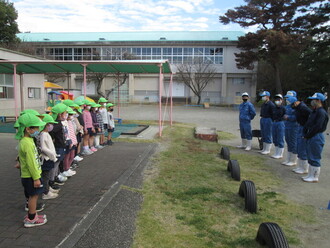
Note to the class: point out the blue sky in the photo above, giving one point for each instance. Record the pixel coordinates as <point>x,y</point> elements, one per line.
<point>123,15</point>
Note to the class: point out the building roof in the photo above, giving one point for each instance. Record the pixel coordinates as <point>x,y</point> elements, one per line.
<point>132,36</point>
<point>104,66</point>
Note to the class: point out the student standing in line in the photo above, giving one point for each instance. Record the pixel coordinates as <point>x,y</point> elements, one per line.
<point>28,127</point>
<point>88,129</point>
<point>111,121</point>
<point>246,113</point>
<point>313,133</point>
<point>302,112</point>
<point>266,122</point>
<point>291,129</point>
<point>104,115</point>
<point>278,127</point>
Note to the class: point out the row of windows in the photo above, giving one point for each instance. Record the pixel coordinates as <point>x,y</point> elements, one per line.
<point>176,55</point>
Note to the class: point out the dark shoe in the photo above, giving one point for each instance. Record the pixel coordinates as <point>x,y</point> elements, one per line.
<point>54,186</point>
<point>40,207</point>
<point>58,182</point>
<point>110,142</point>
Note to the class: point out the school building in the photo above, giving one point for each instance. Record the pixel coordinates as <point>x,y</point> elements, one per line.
<point>216,47</point>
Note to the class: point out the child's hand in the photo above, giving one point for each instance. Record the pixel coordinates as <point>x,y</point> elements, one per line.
<point>17,165</point>
<point>37,183</point>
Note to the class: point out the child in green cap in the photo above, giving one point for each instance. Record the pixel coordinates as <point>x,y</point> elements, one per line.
<point>111,123</point>
<point>30,166</point>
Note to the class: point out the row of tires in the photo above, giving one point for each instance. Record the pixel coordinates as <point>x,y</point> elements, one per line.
<point>269,234</point>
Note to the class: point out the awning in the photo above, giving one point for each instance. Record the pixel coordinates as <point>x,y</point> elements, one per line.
<point>102,66</point>
<point>49,85</point>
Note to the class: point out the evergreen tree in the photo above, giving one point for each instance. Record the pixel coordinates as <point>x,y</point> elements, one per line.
<point>8,25</point>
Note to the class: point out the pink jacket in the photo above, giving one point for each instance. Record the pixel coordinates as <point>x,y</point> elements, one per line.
<point>87,119</point>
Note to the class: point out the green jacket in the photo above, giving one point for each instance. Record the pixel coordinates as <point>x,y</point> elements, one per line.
<point>29,159</point>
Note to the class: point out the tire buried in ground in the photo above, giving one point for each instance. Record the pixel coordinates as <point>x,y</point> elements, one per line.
<point>271,234</point>
<point>225,153</point>
<point>235,170</point>
<point>247,190</point>
<point>229,165</point>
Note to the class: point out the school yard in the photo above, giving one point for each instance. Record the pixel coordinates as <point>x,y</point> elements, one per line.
<point>95,203</point>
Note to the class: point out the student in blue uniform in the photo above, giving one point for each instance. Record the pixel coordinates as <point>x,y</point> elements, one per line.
<point>313,133</point>
<point>291,129</point>
<point>246,113</point>
<point>302,112</point>
<point>266,122</point>
<point>278,127</point>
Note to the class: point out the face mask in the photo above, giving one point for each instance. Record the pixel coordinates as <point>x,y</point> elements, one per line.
<point>111,110</point>
<point>96,109</point>
<point>104,104</point>
<point>76,115</point>
<point>70,117</point>
<point>34,134</point>
<point>245,100</point>
<point>278,103</point>
<point>88,107</point>
<point>66,116</point>
<point>264,98</point>
<point>288,103</point>
<point>313,103</point>
<point>50,127</point>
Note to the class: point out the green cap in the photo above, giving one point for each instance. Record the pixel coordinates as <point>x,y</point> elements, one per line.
<point>86,102</point>
<point>58,109</point>
<point>95,105</point>
<point>28,120</point>
<point>70,111</point>
<point>70,103</point>
<point>27,111</point>
<point>48,119</point>
<point>102,99</point>
<point>110,105</point>
<point>78,102</point>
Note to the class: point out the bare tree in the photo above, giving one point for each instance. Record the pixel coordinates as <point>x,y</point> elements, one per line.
<point>196,75</point>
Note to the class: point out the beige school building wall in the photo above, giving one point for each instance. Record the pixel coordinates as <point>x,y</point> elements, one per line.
<point>30,87</point>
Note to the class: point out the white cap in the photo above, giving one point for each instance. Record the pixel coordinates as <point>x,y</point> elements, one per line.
<point>245,94</point>
<point>279,95</point>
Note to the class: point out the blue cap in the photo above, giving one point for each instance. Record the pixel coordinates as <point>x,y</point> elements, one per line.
<point>264,93</point>
<point>291,99</point>
<point>290,93</point>
<point>318,96</point>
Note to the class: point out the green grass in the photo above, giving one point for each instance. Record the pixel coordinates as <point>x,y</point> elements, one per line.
<point>191,201</point>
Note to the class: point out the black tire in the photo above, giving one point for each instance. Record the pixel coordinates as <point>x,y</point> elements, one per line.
<point>225,153</point>
<point>271,234</point>
<point>229,165</point>
<point>235,170</point>
<point>247,190</point>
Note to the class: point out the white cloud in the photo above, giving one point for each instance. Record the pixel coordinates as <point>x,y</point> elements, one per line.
<point>116,15</point>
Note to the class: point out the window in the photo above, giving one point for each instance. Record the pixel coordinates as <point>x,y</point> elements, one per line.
<point>238,81</point>
<point>6,92</point>
<point>177,51</point>
<point>167,51</point>
<point>6,86</point>
<point>187,51</point>
<point>156,51</point>
<point>199,51</point>
<point>34,93</point>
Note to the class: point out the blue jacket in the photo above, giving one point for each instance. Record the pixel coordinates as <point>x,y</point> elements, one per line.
<point>316,123</point>
<point>302,113</point>
<point>291,122</point>
<point>267,109</point>
<point>246,111</point>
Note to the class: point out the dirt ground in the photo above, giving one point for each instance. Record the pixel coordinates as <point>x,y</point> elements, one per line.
<point>226,119</point>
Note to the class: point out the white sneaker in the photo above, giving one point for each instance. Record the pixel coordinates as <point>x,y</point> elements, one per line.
<point>72,172</point>
<point>87,152</point>
<point>61,177</point>
<point>77,158</point>
<point>50,195</point>
<point>54,190</point>
<point>314,175</point>
<point>66,174</point>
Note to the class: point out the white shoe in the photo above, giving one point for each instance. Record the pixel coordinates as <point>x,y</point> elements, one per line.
<point>263,147</point>
<point>243,145</point>
<point>50,195</point>
<point>66,174</point>
<point>77,158</point>
<point>302,167</point>
<point>293,160</point>
<point>54,190</point>
<point>314,177</point>
<point>87,152</point>
<point>267,149</point>
<point>61,177</point>
<point>309,173</point>
<point>248,145</point>
<point>287,160</point>
<point>278,153</point>
<point>72,172</point>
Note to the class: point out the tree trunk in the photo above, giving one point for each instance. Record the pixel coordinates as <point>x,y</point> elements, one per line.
<point>199,99</point>
<point>278,84</point>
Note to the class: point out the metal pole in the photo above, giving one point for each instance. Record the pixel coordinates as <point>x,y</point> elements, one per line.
<point>69,84</point>
<point>15,92</point>
<point>118,96</point>
<point>85,87</point>
<point>160,100</point>
<point>171,101</point>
